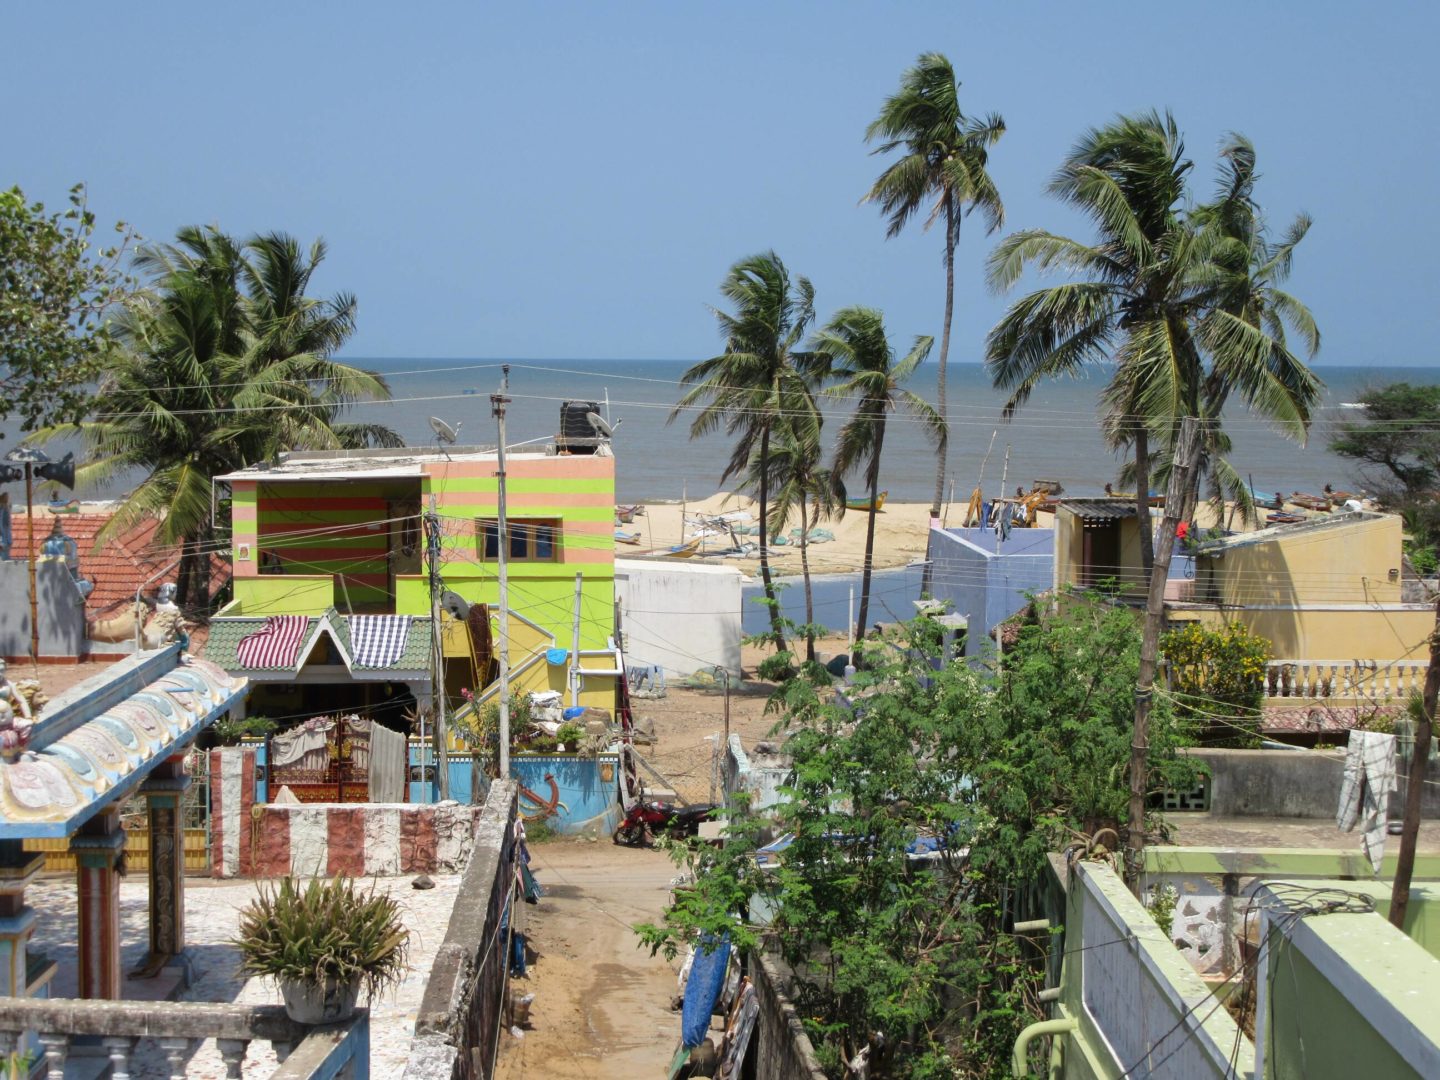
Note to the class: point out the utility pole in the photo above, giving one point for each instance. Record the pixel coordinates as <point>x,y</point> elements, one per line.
<point>502,532</point>
<point>1420,757</point>
<point>1187,446</point>
<point>575,642</point>
<point>437,645</point>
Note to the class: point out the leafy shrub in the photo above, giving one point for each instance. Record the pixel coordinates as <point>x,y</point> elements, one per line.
<point>992,772</point>
<point>229,732</point>
<point>327,931</point>
<point>570,734</point>
<point>1218,681</point>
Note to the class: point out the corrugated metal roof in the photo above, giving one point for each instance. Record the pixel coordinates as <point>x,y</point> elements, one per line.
<point>1099,509</point>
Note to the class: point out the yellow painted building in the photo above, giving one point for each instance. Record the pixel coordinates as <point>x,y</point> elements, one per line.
<point>1327,590</point>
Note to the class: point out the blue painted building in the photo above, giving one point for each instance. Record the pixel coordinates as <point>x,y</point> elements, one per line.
<point>985,579</point>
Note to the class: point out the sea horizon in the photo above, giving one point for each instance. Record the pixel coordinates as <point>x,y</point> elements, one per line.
<point>1055,436</point>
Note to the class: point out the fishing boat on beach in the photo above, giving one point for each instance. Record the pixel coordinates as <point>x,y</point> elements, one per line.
<point>688,550</point>
<point>863,504</point>
<point>626,514</point>
<point>626,538</point>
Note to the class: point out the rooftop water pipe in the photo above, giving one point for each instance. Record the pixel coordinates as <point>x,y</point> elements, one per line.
<point>1019,1063</point>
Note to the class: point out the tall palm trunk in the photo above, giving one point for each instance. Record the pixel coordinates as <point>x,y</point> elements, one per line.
<point>1142,498</point>
<point>943,442</point>
<point>775,629</point>
<point>870,534</point>
<point>192,577</point>
<point>805,573</point>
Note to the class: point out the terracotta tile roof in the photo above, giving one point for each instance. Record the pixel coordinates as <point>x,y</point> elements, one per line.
<point>1318,718</point>
<point>120,566</point>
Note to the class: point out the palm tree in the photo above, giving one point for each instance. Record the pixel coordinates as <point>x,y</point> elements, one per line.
<point>225,361</point>
<point>944,164</point>
<point>1250,314</point>
<point>759,378</point>
<point>854,349</point>
<point>798,486</point>
<point>1183,300</point>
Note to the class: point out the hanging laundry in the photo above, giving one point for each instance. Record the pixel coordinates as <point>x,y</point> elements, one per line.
<point>1365,791</point>
<point>377,641</point>
<point>276,644</point>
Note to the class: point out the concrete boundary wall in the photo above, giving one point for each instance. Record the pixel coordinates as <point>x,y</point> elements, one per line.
<point>1293,783</point>
<point>458,1022</point>
<point>250,839</point>
<point>782,1049</point>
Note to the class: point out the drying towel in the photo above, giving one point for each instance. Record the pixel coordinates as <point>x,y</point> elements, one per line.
<point>276,644</point>
<point>1366,789</point>
<point>378,640</point>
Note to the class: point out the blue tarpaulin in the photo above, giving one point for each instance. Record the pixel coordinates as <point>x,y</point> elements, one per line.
<point>702,990</point>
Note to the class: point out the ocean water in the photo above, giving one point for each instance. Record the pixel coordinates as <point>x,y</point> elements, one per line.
<point>1054,437</point>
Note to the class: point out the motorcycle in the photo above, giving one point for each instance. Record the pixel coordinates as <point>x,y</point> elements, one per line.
<point>645,820</point>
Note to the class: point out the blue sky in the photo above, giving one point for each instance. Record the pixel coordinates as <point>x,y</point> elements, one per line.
<point>548,180</point>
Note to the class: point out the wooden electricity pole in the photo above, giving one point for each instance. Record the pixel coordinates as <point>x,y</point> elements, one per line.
<point>1420,758</point>
<point>1187,448</point>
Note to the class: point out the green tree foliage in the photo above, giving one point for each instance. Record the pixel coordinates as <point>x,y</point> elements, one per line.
<point>1217,678</point>
<point>943,166</point>
<point>915,958</point>
<point>757,381</point>
<point>854,349</point>
<point>56,287</point>
<point>1397,446</point>
<point>223,362</point>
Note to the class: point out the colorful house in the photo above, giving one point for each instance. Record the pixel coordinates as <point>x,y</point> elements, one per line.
<point>1327,593</point>
<point>341,543</point>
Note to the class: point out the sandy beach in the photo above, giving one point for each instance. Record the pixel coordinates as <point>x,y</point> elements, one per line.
<point>900,534</point>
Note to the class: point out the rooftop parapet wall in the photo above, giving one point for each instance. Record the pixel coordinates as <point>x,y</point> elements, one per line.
<point>1341,994</point>
<point>1139,1005</point>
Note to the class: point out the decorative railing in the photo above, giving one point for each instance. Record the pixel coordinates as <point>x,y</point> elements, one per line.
<point>1365,680</point>
<point>112,1029</point>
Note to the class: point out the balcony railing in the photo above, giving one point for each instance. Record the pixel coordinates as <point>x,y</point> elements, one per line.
<point>112,1029</point>
<point>1374,681</point>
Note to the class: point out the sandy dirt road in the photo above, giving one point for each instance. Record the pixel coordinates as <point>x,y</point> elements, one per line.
<point>602,1005</point>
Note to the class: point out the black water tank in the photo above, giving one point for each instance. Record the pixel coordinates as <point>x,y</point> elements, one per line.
<point>573,424</point>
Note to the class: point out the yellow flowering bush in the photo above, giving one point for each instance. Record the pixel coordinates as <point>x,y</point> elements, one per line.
<point>1218,679</point>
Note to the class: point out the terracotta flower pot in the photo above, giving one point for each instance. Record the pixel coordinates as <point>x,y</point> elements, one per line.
<point>317,1003</point>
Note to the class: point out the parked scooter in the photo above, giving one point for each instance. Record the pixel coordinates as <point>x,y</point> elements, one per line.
<point>648,819</point>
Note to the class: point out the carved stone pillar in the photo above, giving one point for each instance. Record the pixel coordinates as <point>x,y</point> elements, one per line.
<point>99,847</point>
<point>17,919</point>
<point>163,791</point>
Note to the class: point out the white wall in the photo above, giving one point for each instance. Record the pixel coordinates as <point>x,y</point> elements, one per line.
<point>681,616</point>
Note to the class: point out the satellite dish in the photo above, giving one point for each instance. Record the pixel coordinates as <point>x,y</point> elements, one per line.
<point>444,433</point>
<point>602,428</point>
<point>455,604</point>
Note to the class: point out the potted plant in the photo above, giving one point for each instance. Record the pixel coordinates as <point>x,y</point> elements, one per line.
<point>323,943</point>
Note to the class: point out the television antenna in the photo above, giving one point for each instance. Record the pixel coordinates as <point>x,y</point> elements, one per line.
<point>603,427</point>
<point>445,435</point>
